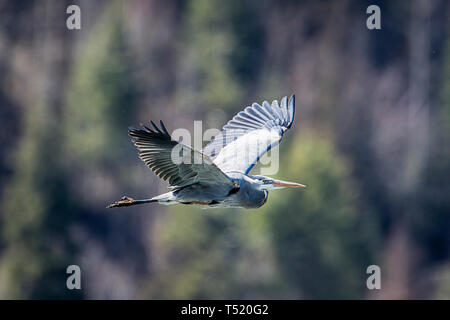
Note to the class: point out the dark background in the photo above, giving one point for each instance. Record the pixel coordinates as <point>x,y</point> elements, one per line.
<point>370,139</point>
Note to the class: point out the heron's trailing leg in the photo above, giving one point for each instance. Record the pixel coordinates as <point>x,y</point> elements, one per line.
<point>126,202</point>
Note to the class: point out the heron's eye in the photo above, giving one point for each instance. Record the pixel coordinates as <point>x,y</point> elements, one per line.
<point>265,181</point>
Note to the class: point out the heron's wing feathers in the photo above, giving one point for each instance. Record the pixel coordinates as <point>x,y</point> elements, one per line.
<point>250,134</point>
<point>180,167</point>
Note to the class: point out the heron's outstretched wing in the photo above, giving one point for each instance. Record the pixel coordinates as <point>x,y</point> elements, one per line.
<point>175,162</point>
<point>250,134</point>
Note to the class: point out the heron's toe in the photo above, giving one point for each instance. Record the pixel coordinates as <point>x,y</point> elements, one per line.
<point>125,201</point>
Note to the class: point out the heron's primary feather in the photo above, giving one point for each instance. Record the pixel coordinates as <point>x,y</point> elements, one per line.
<point>250,134</point>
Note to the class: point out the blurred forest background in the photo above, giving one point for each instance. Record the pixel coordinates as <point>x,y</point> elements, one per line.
<point>371,139</point>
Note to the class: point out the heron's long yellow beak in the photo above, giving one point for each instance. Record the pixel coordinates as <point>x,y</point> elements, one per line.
<point>287,184</point>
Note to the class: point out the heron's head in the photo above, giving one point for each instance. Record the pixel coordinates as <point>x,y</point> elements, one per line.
<point>267,183</point>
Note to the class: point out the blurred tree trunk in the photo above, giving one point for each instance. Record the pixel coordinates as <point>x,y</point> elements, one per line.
<point>402,252</point>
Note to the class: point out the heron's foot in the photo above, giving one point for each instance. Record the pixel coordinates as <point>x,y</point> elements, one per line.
<point>124,202</point>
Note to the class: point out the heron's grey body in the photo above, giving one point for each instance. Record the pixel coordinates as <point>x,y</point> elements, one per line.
<point>243,194</point>
<point>218,175</point>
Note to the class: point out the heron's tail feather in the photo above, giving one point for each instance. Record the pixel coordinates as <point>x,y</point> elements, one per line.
<point>126,202</point>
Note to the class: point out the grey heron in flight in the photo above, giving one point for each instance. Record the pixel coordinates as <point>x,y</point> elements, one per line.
<point>217,176</point>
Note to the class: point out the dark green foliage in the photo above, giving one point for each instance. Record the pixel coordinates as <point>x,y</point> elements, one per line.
<point>41,205</point>
<point>317,231</point>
